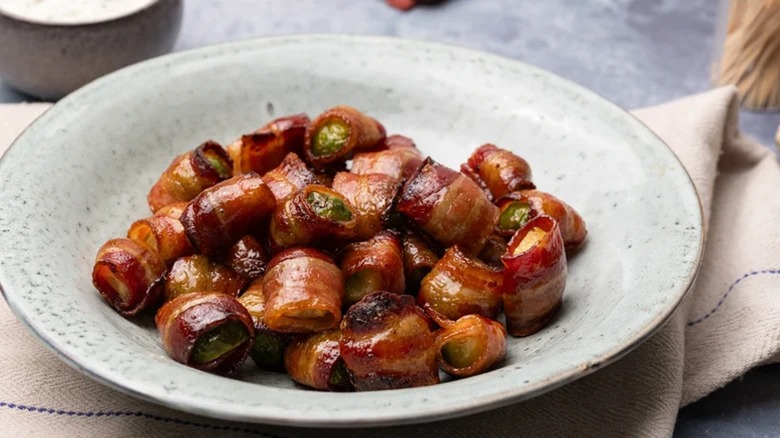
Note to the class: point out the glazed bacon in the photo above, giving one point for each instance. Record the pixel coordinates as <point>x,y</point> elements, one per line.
<point>304,291</point>
<point>518,207</point>
<point>376,264</point>
<point>498,171</point>
<point>206,330</point>
<point>221,215</point>
<point>198,273</point>
<point>372,196</point>
<point>267,351</point>
<point>314,215</point>
<point>469,346</point>
<point>265,148</point>
<point>128,276</point>
<point>419,260</point>
<point>399,159</point>
<point>316,362</point>
<point>461,284</point>
<point>247,257</point>
<point>336,133</point>
<point>534,276</point>
<point>288,177</point>
<point>162,234</point>
<point>387,343</point>
<point>172,211</point>
<point>189,174</point>
<point>448,206</point>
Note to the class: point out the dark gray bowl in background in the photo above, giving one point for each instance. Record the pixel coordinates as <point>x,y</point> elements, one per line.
<point>51,60</point>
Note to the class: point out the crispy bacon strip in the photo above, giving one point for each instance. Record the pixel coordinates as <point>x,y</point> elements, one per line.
<point>498,170</point>
<point>376,264</point>
<point>221,215</point>
<point>198,273</point>
<point>399,160</point>
<point>534,276</point>
<point>387,343</point>
<point>461,284</point>
<point>469,346</point>
<point>248,257</point>
<point>519,207</point>
<point>336,133</point>
<point>206,330</point>
<point>314,215</point>
<point>128,276</point>
<point>372,196</point>
<point>289,176</point>
<point>162,234</point>
<point>189,174</point>
<point>268,349</point>
<point>448,206</point>
<point>304,291</point>
<point>419,259</point>
<point>316,362</point>
<point>265,148</point>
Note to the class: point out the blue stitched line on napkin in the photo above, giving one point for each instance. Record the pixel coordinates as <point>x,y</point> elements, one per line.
<point>22,407</point>
<point>733,285</point>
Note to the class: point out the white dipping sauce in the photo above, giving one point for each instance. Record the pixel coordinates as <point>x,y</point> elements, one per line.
<point>71,11</point>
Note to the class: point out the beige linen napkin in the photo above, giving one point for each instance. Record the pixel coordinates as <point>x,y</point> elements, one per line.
<point>727,324</point>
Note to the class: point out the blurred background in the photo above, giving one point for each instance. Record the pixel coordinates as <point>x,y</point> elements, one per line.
<point>633,52</point>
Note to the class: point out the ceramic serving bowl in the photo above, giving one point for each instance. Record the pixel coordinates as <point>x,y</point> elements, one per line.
<point>79,176</point>
<point>48,58</point>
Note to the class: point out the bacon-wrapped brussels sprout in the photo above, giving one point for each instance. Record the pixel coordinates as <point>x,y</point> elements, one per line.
<point>268,348</point>
<point>448,206</point>
<point>376,264</point>
<point>128,276</point>
<point>265,148</point>
<point>387,343</point>
<point>419,260</point>
<point>288,177</point>
<point>498,170</point>
<point>247,257</point>
<point>534,276</point>
<point>221,215</point>
<point>470,345</point>
<point>461,284</point>
<point>190,174</point>
<point>198,273</point>
<point>314,215</point>
<point>303,291</point>
<point>372,196</point>
<point>316,362</point>
<point>399,160</point>
<point>206,330</point>
<point>336,133</point>
<point>519,207</point>
<point>162,234</point>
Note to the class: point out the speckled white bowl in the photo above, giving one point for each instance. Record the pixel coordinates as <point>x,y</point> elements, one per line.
<point>79,175</point>
<point>49,59</point>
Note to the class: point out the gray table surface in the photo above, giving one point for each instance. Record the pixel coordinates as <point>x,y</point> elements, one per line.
<point>633,52</point>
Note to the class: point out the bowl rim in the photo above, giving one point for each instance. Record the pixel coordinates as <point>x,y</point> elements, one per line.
<point>498,399</point>
<point>34,22</point>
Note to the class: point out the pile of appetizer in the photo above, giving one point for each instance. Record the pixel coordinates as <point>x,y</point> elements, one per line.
<point>342,256</point>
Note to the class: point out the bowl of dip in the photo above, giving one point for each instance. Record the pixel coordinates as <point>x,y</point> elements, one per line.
<point>52,47</point>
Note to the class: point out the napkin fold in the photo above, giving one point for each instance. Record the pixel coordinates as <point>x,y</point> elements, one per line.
<point>728,323</point>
